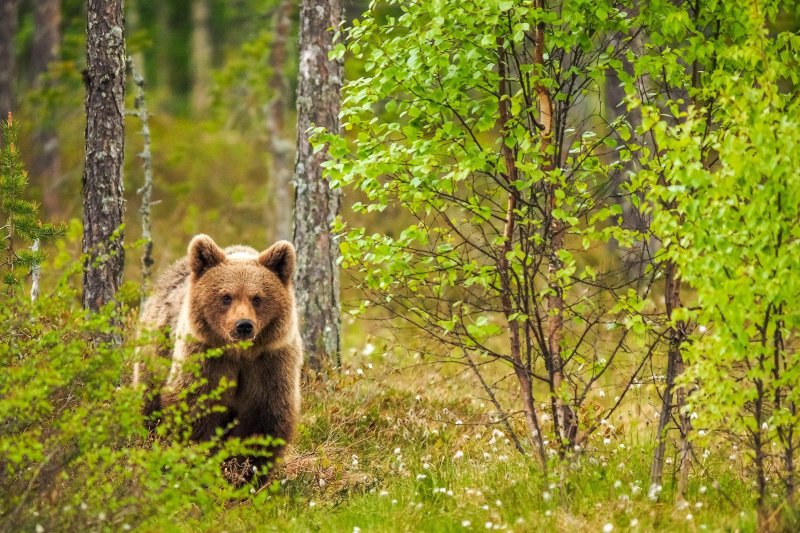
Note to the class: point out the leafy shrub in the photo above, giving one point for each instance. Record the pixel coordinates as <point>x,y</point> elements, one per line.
<point>74,451</point>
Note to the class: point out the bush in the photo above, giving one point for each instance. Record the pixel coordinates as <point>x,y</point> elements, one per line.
<point>74,451</point>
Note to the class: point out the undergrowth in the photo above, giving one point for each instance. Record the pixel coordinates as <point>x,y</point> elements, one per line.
<point>386,444</point>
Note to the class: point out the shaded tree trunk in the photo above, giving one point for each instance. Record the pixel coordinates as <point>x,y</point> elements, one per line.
<point>280,148</point>
<point>46,164</point>
<point>316,205</point>
<point>103,200</point>
<point>8,29</point>
<point>201,56</point>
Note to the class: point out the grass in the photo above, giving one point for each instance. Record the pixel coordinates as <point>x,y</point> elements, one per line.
<point>378,453</point>
<point>390,443</point>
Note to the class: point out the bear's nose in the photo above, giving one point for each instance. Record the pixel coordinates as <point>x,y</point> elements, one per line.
<point>244,328</point>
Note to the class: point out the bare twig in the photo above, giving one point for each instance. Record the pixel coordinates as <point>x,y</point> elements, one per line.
<point>146,189</point>
<point>35,271</point>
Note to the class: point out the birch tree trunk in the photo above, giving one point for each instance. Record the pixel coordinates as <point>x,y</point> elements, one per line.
<point>103,200</point>
<point>8,29</point>
<point>280,148</point>
<point>46,164</point>
<point>316,205</point>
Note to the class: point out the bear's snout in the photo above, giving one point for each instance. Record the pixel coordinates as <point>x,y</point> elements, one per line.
<point>244,328</point>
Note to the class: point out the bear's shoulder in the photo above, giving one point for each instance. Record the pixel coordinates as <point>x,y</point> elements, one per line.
<point>163,306</point>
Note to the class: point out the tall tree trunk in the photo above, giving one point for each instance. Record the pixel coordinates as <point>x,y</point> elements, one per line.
<point>280,148</point>
<point>46,164</point>
<point>201,56</point>
<point>103,200</point>
<point>8,29</point>
<point>316,205</point>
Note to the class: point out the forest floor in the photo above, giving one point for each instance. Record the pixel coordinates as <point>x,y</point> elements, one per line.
<point>407,449</point>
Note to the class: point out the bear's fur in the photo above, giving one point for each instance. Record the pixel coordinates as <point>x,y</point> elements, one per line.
<point>201,300</point>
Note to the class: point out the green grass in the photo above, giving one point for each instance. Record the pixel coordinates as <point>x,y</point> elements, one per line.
<point>374,455</point>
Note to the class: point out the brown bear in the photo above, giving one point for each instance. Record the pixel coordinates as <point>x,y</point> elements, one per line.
<point>216,299</point>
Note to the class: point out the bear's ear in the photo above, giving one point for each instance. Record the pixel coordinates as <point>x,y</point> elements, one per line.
<point>203,255</point>
<point>280,258</point>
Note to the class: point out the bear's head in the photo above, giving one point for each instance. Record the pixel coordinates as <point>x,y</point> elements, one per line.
<point>241,296</point>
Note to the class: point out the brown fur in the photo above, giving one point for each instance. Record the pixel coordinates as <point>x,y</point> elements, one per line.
<point>199,300</point>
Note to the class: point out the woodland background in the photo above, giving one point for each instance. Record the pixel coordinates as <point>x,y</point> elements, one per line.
<point>569,235</point>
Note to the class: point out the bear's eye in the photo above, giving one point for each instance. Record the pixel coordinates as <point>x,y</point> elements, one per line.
<point>256,301</point>
<point>226,299</point>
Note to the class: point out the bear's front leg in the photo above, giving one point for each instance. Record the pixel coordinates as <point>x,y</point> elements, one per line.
<point>211,392</point>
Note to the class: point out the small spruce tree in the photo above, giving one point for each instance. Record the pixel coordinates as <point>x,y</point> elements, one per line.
<point>21,226</point>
